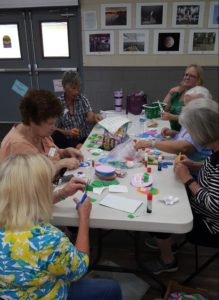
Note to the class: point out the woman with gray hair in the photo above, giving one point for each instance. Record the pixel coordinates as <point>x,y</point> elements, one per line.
<point>200,117</point>
<point>75,124</point>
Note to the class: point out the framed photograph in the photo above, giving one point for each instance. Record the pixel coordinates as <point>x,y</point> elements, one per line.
<point>151,15</point>
<point>203,41</point>
<point>133,41</point>
<point>213,21</point>
<point>188,14</point>
<point>115,16</point>
<point>99,42</point>
<point>168,41</point>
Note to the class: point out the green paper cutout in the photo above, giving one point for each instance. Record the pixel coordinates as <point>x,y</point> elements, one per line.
<point>92,200</point>
<point>100,183</point>
<point>95,154</point>
<point>131,216</point>
<point>153,191</point>
<point>89,188</point>
<point>97,183</point>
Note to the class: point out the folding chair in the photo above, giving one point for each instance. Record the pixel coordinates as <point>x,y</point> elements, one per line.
<point>211,243</point>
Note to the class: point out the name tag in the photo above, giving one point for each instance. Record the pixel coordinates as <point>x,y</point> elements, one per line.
<point>52,152</point>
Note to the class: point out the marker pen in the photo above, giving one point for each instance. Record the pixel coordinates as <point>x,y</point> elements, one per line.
<point>81,201</point>
<point>149,203</point>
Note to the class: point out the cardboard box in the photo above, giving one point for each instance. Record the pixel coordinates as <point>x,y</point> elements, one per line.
<point>173,286</point>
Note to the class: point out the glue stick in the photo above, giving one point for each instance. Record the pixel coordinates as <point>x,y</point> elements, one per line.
<point>159,163</point>
<point>149,203</point>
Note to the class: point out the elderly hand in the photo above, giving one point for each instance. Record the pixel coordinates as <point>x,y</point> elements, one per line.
<point>175,89</point>
<point>165,131</point>
<point>74,185</point>
<point>70,163</point>
<point>98,118</point>
<point>141,144</point>
<point>181,171</point>
<point>85,209</point>
<point>75,132</point>
<point>72,152</point>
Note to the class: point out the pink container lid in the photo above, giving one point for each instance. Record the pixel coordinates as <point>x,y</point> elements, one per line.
<point>103,169</point>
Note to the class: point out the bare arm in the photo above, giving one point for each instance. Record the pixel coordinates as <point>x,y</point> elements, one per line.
<point>93,118</point>
<point>173,147</point>
<point>82,241</point>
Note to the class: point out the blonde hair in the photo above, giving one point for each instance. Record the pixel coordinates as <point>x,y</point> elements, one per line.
<point>25,191</point>
<point>199,71</point>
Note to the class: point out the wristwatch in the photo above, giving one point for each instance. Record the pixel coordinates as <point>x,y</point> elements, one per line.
<point>190,181</point>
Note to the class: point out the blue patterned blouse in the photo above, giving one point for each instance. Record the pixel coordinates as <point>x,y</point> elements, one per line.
<point>39,263</point>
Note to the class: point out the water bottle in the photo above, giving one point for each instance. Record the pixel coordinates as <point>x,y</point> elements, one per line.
<point>142,122</point>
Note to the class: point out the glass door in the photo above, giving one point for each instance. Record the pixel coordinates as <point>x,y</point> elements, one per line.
<point>36,47</point>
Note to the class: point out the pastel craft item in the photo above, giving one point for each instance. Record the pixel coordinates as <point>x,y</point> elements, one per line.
<point>105,170</point>
<point>137,180</point>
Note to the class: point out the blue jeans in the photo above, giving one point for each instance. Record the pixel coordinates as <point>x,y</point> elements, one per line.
<point>94,289</point>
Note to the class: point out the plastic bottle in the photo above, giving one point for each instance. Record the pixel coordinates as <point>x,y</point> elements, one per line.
<point>142,122</point>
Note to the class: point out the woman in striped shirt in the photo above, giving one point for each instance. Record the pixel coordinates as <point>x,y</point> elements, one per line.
<point>201,118</point>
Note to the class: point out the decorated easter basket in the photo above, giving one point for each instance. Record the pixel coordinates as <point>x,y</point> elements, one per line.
<point>152,111</point>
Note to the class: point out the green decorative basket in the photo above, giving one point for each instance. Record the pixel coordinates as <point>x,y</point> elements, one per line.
<point>152,111</point>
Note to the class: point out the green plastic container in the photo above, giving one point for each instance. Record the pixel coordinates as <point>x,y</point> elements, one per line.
<point>152,111</point>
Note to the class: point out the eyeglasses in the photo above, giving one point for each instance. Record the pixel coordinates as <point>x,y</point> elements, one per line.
<point>190,75</point>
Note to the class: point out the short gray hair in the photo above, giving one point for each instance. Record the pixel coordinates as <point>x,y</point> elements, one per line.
<point>70,77</point>
<point>199,91</point>
<point>200,117</point>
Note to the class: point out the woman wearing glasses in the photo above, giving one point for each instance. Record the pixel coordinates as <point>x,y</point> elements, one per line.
<point>193,76</point>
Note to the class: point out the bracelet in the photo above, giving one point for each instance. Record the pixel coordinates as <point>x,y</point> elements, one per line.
<point>189,182</point>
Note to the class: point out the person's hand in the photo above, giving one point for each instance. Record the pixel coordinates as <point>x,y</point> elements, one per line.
<point>142,144</point>
<point>191,164</point>
<point>181,171</point>
<point>72,152</point>
<point>84,209</point>
<point>175,89</point>
<point>98,118</point>
<point>75,132</point>
<point>74,185</point>
<point>165,131</point>
<point>70,163</point>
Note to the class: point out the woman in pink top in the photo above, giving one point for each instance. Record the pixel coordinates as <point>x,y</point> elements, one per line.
<point>39,111</point>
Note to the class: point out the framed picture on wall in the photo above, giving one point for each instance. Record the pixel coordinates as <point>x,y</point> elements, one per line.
<point>151,15</point>
<point>168,41</point>
<point>213,21</point>
<point>99,42</point>
<point>188,14</point>
<point>203,41</point>
<point>133,41</point>
<point>114,16</point>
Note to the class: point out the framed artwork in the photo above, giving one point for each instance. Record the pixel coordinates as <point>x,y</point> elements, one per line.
<point>213,21</point>
<point>151,15</point>
<point>168,41</point>
<point>99,42</point>
<point>114,16</point>
<point>203,41</point>
<point>188,14</point>
<point>133,41</point>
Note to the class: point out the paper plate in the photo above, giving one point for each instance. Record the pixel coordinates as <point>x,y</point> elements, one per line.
<point>137,180</point>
